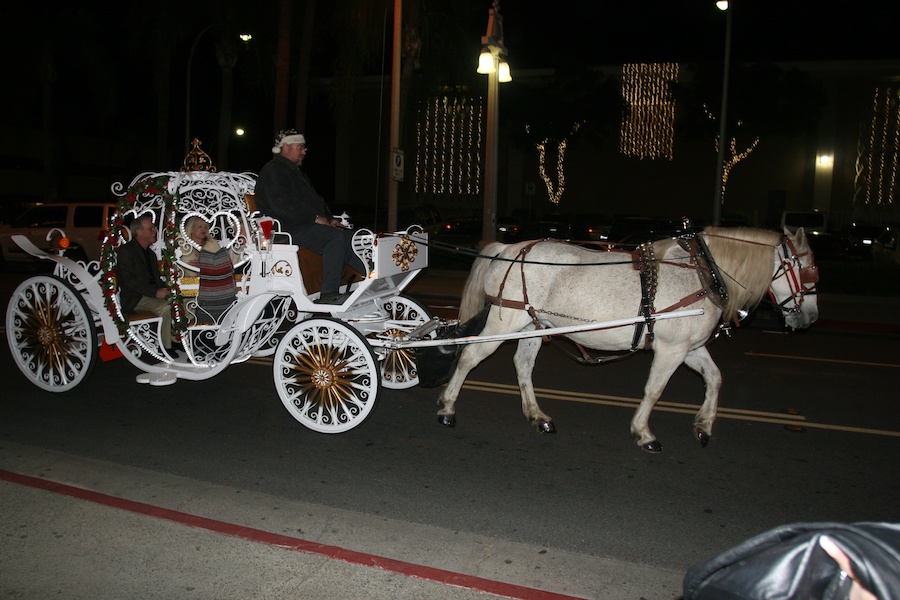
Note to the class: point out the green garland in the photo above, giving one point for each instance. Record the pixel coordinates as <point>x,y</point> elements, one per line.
<point>151,186</point>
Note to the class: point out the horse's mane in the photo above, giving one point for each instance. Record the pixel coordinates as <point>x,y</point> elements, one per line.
<point>745,260</point>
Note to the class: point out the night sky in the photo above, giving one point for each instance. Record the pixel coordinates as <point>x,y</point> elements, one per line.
<point>103,82</point>
<point>605,32</point>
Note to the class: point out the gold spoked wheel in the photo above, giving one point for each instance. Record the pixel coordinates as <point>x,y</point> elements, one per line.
<point>398,367</point>
<point>51,333</point>
<point>326,375</point>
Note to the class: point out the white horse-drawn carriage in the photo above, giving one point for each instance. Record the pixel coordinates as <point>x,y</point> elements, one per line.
<point>330,361</point>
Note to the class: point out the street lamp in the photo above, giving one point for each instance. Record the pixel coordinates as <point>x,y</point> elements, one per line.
<point>720,165</point>
<point>492,62</point>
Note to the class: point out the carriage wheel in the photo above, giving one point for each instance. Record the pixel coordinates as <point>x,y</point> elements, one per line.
<point>398,367</point>
<point>326,375</point>
<point>51,333</point>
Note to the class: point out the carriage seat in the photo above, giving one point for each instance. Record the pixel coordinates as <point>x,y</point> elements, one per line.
<point>190,288</point>
<point>310,261</point>
<point>312,272</point>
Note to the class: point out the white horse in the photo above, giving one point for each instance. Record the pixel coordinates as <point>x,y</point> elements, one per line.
<point>555,284</point>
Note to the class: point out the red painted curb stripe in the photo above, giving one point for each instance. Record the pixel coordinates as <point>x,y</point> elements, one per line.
<point>291,543</point>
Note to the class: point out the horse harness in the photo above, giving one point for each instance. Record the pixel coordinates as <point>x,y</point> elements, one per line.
<point>645,262</point>
<point>801,280</point>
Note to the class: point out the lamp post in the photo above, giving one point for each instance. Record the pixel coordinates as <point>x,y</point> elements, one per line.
<point>720,165</point>
<point>492,62</point>
<point>244,37</point>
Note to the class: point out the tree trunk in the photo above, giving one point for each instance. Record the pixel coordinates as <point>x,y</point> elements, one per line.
<point>282,66</point>
<point>306,44</point>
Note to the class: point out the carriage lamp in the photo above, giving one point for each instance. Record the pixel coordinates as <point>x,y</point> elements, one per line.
<point>265,224</point>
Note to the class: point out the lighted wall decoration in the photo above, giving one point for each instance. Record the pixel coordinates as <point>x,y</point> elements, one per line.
<point>554,193</point>
<point>733,157</point>
<point>878,151</point>
<point>648,125</point>
<point>450,142</point>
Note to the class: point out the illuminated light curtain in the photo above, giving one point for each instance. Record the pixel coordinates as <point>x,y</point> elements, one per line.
<point>449,142</point>
<point>554,193</point>
<point>648,126</point>
<point>878,154</point>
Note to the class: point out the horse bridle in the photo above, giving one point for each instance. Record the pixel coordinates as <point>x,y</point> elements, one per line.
<point>801,280</point>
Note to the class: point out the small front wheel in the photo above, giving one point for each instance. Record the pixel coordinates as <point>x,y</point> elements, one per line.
<point>399,369</point>
<point>51,333</point>
<point>326,375</point>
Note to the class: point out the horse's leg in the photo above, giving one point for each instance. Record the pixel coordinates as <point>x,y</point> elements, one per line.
<point>524,359</point>
<point>665,361</point>
<point>699,360</point>
<point>469,358</point>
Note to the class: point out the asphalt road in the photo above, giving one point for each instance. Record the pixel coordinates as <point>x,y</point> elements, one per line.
<point>808,430</point>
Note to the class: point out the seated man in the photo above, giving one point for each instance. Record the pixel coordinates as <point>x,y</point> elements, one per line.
<point>284,192</point>
<point>140,285</point>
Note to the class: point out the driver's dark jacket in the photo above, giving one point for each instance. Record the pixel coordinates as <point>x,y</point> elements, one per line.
<point>285,193</point>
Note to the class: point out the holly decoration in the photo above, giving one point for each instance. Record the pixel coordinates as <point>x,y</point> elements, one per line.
<point>150,186</point>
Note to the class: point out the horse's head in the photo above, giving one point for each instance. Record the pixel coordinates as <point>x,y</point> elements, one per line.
<point>793,286</point>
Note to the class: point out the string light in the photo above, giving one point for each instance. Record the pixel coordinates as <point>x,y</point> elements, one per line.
<point>554,194</point>
<point>886,120</point>
<point>648,126</point>
<point>735,158</point>
<point>877,164</point>
<point>449,143</point>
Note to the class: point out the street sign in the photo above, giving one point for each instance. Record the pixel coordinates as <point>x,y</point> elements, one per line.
<point>397,165</point>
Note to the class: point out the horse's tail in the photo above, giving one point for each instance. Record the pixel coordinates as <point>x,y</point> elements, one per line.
<point>473,296</point>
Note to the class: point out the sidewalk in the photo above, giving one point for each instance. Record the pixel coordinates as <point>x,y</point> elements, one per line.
<point>78,528</point>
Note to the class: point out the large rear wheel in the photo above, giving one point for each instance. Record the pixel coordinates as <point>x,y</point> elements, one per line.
<point>326,375</point>
<point>51,333</point>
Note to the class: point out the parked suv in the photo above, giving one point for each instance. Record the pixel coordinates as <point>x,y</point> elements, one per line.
<point>81,223</point>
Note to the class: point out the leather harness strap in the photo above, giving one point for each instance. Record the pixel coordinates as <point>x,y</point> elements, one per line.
<point>646,263</point>
<point>523,304</point>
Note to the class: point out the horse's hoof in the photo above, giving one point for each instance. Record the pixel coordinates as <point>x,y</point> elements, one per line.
<point>653,447</point>
<point>546,427</point>
<point>447,420</point>
<point>702,437</point>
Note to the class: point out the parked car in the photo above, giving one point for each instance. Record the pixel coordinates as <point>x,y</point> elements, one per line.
<point>857,240</point>
<point>82,224</point>
<point>509,229</point>
<point>809,220</point>
<point>637,230</point>
<point>826,246</point>
<point>884,247</point>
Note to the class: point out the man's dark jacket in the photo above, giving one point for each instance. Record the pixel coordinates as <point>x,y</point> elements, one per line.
<point>137,275</point>
<point>285,193</point>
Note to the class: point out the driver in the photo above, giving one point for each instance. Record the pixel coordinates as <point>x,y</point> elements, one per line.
<point>284,192</point>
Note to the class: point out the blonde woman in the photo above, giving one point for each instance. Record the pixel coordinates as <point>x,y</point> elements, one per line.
<point>198,231</point>
<point>217,287</point>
